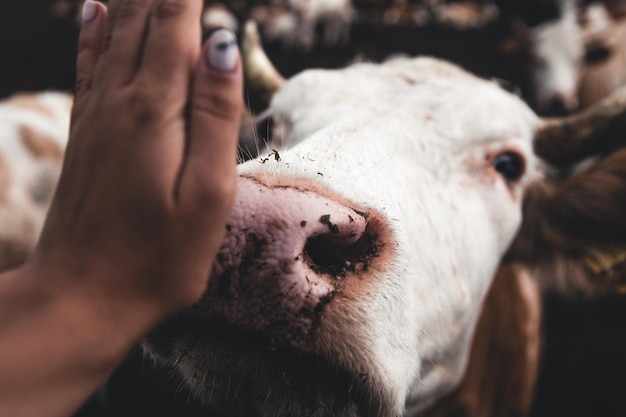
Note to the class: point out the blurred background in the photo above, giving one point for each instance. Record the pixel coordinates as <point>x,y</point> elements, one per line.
<point>559,55</point>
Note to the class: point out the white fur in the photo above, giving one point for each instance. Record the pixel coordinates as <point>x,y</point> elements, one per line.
<point>32,180</point>
<point>409,138</point>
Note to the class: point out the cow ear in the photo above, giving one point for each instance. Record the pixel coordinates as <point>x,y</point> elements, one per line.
<point>574,230</point>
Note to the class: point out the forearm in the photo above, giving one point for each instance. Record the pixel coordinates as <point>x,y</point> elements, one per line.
<point>58,345</point>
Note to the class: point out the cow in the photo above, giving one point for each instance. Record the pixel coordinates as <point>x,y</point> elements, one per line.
<point>360,252</point>
<point>554,47</point>
<point>575,57</point>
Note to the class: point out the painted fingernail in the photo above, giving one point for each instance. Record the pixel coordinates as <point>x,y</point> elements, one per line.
<point>90,10</point>
<point>222,51</point>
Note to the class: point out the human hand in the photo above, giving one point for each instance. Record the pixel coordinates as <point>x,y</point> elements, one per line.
<point>149,172</point>
<point>140,209</point>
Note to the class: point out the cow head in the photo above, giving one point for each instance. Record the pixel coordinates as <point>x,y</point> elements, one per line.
<point>555,50</point>
<point>358,255</point>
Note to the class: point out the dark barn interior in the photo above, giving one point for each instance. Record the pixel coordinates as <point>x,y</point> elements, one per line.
<point>583,366</point>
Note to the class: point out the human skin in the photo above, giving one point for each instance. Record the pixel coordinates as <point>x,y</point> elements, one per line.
<point>140,210</point>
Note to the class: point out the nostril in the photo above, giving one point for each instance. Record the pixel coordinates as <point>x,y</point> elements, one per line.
<point>335,253</point>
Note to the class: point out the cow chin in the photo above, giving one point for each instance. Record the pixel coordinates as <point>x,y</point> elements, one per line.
<point>233,374</point>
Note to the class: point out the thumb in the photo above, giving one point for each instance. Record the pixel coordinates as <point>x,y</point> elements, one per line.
<point>208,178</point>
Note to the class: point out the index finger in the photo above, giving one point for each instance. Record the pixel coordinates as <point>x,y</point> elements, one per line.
<point>124,42</point>
<point>172,46</point>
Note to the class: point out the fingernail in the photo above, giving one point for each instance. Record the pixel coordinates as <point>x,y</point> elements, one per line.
<point>90,10</point>
<point>222,51</point>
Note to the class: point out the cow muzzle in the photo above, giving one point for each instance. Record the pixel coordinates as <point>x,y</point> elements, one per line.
<point>288,252</point>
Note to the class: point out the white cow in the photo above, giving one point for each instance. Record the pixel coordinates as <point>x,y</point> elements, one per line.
<point>556,58</point>
<point>357,258</point>
<point>576,57</point>
<point>358,255</point>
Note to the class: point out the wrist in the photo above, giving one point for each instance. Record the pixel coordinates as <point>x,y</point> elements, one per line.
<point>102,323</point>
<point>57,344</point>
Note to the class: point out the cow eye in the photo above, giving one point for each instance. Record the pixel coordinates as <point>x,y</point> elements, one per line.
<point>510,165</point>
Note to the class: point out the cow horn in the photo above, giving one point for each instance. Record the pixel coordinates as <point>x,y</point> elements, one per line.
<point>261,76</point>
<point>565,141</point>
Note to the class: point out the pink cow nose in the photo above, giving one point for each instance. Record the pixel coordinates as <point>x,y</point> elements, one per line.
<point>288,252</point>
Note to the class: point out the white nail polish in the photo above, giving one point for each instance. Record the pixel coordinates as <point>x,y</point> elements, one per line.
<point>222,51</point>
<point>90,10</point>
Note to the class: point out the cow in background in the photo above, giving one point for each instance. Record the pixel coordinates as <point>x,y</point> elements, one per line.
<point>34,130</point>
<point>551,41</point>
<point>605,58</point>
<point>292,23</point>
<point>574,50</point>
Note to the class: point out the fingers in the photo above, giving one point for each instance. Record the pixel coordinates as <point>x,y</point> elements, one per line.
<point>153,55</point>
<point>124,41</point>
<point>90,44</point>
<point>155,37</point>
<point>216,105</point>
<point>172,46</point>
